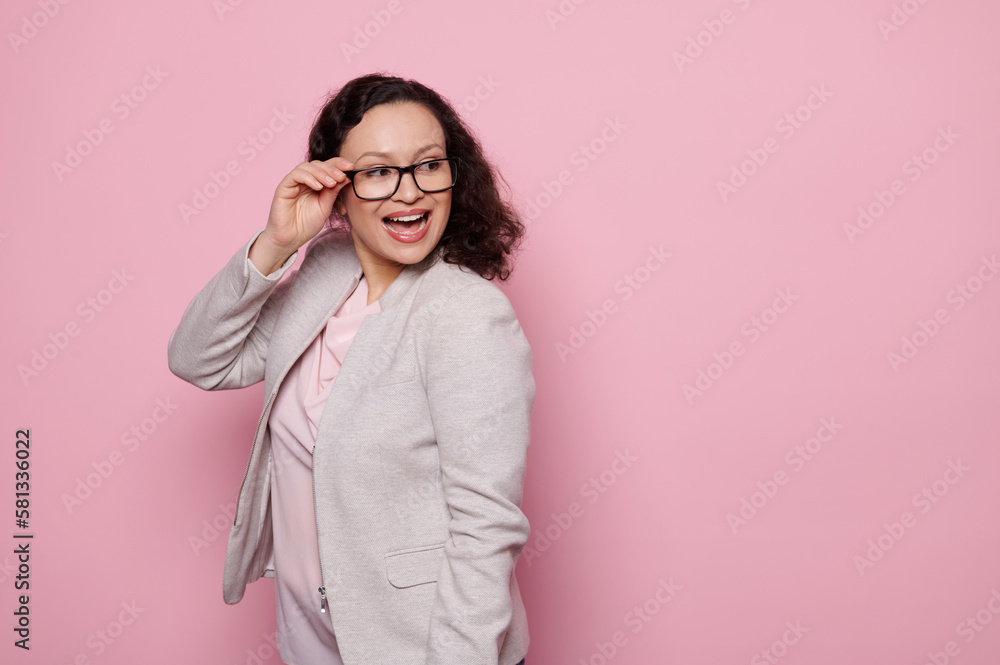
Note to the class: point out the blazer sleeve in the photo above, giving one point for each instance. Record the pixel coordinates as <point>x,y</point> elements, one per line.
<point>480,391</point>
<point>221,340</point>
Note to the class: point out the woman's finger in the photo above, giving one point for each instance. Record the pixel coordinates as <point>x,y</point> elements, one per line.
<point>307,175</point>
<point>329,176</point>
<point>339,163</point>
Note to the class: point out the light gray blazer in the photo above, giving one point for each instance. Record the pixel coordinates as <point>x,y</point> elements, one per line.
<point>420,457</point>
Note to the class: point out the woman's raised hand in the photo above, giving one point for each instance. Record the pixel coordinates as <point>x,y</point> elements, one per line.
<point>301,205</point>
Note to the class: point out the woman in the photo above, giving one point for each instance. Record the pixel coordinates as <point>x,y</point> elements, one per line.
<point>385,504</point>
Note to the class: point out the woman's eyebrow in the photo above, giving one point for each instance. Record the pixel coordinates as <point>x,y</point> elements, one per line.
<point>385,155</point>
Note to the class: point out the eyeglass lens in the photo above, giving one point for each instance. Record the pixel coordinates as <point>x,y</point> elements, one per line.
<point>380,182</point>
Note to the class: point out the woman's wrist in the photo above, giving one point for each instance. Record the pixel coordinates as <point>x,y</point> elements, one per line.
<point>266,256</point>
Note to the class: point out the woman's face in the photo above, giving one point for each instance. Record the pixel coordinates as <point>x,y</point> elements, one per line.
<point>395,135</point>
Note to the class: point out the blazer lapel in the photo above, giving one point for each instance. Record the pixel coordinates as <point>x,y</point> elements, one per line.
<point>374,346</point>
<point>326,279</point>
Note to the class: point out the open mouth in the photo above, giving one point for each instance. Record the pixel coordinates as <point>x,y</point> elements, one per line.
<point>406,224</point>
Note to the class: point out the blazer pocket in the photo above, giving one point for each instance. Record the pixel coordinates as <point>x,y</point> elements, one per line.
<point>413,566</point>
<point>396,377</point>
<point>389,369</point>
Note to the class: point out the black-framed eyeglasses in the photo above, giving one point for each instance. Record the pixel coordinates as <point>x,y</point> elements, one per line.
<point>381,182</point>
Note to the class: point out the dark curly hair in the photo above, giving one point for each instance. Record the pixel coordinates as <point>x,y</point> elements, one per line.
<point>483,228</point>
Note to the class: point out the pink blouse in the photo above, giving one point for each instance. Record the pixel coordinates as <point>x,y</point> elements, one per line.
<point>305,635</point>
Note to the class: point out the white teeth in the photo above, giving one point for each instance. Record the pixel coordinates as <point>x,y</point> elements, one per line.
<point>406,218</point>
<point>420,228</point>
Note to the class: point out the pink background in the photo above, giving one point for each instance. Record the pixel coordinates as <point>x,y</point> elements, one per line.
<point>816,549</point>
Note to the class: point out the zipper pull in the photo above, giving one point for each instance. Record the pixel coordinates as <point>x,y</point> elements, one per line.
<point>322,601</point>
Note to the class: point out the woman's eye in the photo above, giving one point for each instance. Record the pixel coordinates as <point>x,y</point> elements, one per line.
<point>429,166</point>
<point>374,174</point>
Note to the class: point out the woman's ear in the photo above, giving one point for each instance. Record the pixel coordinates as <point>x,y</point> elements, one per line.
<point>341,210</point>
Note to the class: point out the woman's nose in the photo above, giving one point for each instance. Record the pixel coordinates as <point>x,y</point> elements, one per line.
<point>408,190</point>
